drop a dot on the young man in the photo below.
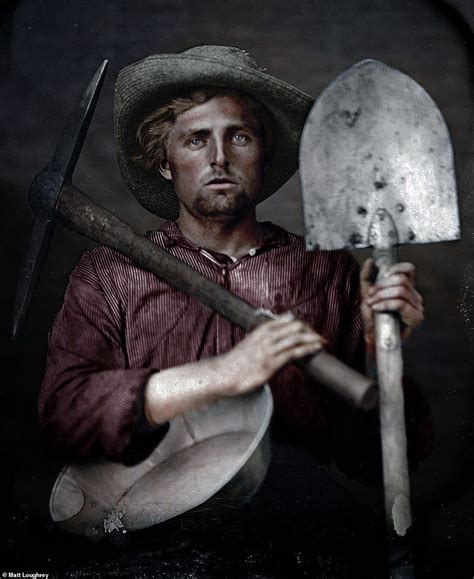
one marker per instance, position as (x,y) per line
(202,138)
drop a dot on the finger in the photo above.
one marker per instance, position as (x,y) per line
(418,297)
(407,332)
(269,327)
(276,330)
(279,322)
(392,305)
(367,315)
(294,329)
(410,315)
(397,292)
(285,317)
(393,280)
(294,354)
(403,267)
(295,340)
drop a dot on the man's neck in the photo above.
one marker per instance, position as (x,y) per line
(230,237)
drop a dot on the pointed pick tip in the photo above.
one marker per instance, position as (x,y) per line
(20,313)
(18,327)
(103,65)
(96,80)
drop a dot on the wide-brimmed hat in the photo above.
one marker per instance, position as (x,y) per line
(144,86)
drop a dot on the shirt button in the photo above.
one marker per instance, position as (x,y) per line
(252,251)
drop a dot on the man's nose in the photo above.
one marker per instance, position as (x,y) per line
(219,154)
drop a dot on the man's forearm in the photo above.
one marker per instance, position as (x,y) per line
(247,366)
(177,390)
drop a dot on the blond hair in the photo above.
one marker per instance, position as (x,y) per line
(153,132)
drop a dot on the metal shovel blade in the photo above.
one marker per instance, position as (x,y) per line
(375,138)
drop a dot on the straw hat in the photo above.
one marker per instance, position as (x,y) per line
(144,86)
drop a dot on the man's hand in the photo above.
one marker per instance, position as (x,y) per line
(395,293)
(265,350)
(244,368)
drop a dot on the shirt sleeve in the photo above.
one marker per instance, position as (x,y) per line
(91,402)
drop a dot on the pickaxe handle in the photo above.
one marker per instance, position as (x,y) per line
(91,220)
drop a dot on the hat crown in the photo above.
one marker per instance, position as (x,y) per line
(230,55)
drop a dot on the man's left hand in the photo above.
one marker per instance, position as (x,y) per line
(395,293)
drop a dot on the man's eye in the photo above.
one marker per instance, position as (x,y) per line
(196,141)
(240,138)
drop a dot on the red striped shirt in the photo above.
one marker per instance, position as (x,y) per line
(119,323)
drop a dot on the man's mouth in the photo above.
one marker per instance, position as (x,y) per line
(220,183)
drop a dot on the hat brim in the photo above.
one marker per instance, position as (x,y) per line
(145,85)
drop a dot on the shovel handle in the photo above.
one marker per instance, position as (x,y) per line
(391,409)
(89,219)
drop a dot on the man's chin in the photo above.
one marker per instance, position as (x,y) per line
(223,205)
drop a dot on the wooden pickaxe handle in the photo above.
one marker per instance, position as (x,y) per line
(93,221)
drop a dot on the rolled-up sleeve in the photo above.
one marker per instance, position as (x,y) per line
(90,402)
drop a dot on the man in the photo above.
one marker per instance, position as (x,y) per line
(202,138)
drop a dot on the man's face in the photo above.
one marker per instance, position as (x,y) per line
(215,159)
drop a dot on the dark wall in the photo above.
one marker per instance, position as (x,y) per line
(52,47)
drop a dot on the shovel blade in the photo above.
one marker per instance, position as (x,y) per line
(375,139)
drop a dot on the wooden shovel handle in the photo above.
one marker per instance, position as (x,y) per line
(392,410)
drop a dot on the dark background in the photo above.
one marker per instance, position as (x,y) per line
(49,50)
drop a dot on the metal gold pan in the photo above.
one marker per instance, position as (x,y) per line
(218,453)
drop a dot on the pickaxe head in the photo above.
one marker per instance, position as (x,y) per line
(45,193)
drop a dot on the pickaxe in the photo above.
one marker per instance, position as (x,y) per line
(377,171)
(53,197)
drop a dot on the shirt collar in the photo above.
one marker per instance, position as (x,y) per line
(173,236)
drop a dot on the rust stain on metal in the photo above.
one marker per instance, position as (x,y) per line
(355,238)
(380,183)
(350,118)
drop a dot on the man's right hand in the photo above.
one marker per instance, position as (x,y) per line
(242,369)
(264,351)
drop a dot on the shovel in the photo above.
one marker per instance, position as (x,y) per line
(377,170)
